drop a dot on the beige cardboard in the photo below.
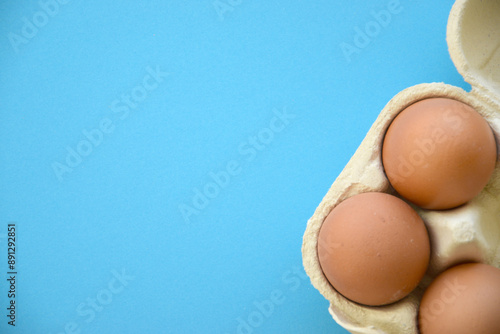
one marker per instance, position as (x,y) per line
(467,233)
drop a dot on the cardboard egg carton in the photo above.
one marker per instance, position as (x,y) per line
(468,233)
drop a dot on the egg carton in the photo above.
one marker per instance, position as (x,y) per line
(468,233)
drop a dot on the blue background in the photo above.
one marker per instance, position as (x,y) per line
(233,264)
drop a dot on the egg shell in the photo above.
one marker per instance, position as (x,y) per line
(439,153)
(374,248)
(462,300)
(468,233)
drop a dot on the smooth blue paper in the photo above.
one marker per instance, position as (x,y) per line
(160,159)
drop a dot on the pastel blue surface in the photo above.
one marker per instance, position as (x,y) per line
(161,159)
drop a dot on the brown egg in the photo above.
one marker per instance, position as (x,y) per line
(464,299)
(373,248)
(439,153)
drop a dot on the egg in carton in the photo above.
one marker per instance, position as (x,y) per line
(468,233)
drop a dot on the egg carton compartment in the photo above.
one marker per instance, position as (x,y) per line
(467,233)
